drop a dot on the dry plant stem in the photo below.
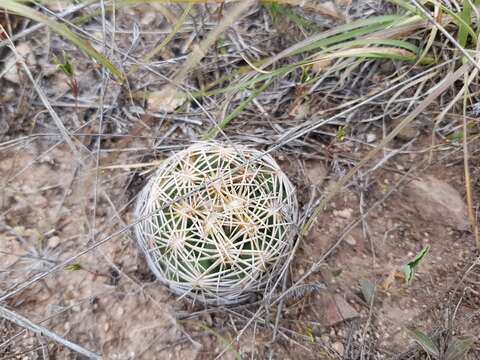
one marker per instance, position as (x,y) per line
(64,310)
(467,81)
(446,33)
(273,148)
(445,84)
(468,180)
(164,43)
(200,51)
(37,27)
(43,97)
(40,330)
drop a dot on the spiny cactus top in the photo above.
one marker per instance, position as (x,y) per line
(216,222)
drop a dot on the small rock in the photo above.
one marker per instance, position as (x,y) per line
(345,213)
(371,137)
(53,242)
(335,309)
(350,240)
(438,202)
(12,64)
(119,313)
(338,347)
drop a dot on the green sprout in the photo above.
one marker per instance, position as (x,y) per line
(67,68)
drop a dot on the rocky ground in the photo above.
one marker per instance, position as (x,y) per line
(57,200)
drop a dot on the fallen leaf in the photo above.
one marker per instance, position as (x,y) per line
(390,279)
(166,100)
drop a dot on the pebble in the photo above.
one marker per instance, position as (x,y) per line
(345,213)
(350,240)
(438,202)
(338,347)
(371,137)
(12,65)
(53,242)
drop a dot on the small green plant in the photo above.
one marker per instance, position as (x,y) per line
(74,267)
(341,133)
(409,268)
(217,222)
(456,349)
(67,68)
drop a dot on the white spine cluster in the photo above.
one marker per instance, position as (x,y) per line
(217,222)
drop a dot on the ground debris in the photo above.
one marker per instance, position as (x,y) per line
(438,202)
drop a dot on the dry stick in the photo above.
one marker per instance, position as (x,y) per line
(21,332)
(40,330)
(37,27)
(446,33)
(294,136)
(200,51)
(42,96)
(447,81)
(468,181)
(444,85)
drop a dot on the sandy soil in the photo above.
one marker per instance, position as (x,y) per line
(55,202)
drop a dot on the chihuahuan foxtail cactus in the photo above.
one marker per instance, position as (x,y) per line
(216,222)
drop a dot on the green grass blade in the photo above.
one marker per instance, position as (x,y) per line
(425,342)
(347,32)
(388,42)
(466,16)
(62,30)
(215,130)
(246,84)
(459,21)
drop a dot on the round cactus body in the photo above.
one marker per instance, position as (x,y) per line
(216,222)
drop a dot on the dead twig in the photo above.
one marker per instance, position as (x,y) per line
(40,330)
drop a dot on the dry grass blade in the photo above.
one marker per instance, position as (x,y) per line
(200,51)
(445,84)
(43,97)
(466,165)
(65,32)
(164,43)
(40,330)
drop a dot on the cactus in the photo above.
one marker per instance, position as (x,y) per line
(217,222)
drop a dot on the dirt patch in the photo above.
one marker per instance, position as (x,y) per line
(57,200)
